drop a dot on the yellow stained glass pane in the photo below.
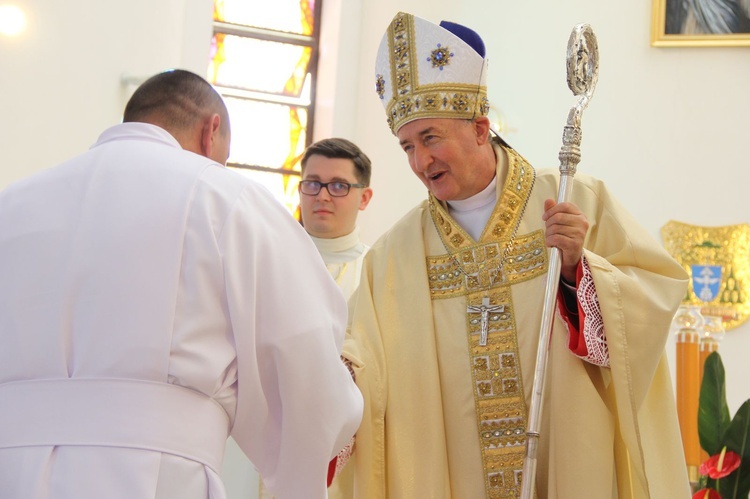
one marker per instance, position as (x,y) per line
(259,65)
(283,187)
(291,16)
(266,134)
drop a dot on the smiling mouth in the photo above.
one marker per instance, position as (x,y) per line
(436,176)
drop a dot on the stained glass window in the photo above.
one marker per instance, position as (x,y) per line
(263,61)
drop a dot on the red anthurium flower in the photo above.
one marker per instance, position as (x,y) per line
(706,494)
(720,465)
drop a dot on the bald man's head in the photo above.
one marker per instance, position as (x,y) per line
(188,107)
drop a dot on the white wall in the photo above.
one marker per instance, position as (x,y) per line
(60,81)
(666,127)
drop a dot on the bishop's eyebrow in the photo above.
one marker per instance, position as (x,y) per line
(420,134)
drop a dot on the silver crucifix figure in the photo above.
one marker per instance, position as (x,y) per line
(484,309)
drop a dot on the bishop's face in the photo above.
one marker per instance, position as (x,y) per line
(445,154)
(327,216)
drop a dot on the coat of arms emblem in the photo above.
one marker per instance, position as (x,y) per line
(718,262)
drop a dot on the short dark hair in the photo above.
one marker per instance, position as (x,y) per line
(341,148)
(176,99)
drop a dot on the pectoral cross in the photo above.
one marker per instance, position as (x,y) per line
(484,309)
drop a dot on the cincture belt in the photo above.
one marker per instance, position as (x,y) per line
(114,413)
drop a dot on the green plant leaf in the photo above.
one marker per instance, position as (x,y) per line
(713,413)
(736,439)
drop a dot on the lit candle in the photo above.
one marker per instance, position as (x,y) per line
(688,392)
(688,326)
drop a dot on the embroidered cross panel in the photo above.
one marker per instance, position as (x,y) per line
(483,272)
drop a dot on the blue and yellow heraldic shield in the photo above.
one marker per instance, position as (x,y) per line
(717,259)
(706,281)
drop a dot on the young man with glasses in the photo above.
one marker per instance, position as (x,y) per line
(335,186)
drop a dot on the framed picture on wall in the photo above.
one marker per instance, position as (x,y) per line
(693,23)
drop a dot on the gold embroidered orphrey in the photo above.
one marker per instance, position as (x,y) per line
(700,249)
(495,366)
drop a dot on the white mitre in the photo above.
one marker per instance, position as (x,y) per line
(424,70)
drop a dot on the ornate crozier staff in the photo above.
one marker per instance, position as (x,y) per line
(583,70)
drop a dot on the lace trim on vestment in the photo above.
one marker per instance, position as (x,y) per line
(593,324)
(340,461)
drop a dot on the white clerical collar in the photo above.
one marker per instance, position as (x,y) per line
(487,196)
(339,249)
(473,213)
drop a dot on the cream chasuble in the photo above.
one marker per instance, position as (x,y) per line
(445,415)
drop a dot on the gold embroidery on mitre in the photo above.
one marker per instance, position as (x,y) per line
(379,85)
(718,261)
(412,99)
(495,367)
(440,57)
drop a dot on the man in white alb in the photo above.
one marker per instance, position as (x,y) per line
(145,317)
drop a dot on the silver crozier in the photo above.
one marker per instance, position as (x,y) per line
(583,70)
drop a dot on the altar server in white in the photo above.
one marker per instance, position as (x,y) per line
(335,187)
(150,306)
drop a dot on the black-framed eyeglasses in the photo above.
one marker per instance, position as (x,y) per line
(335,189)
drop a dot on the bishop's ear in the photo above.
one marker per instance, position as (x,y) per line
(482,129)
